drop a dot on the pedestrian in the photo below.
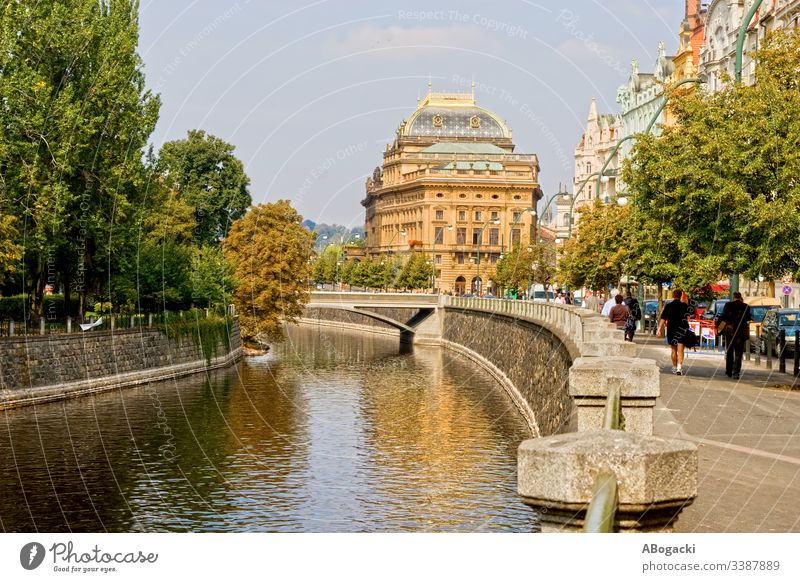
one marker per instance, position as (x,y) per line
(675,316)
(735,324)
(609,303)
(568,298)
(560,298)
(619,314)
(591,303)
(636,315)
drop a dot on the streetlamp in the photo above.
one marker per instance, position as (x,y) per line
(399,231)
(734,286)
(495,221)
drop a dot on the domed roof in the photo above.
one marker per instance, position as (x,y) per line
(453,115)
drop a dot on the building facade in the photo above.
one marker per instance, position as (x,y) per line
(597,142)
(452,187)
(723,22)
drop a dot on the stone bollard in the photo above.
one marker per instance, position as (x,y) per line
(149,320)
(590,380)
(656,478)
(69,325)
(41,326)
(11,328)
(113,322)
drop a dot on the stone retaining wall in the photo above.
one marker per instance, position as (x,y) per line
(534,361)
(41,368)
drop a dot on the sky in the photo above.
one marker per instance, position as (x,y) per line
(310,92)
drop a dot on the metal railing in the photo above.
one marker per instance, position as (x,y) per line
(602,509)
(42,326)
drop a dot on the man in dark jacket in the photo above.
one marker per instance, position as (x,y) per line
(735,324)
(636,315)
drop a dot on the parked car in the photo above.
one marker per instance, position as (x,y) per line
(714,311)
(759,306)
(775,321)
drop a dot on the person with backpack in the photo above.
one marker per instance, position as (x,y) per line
(636,315)
(735,324)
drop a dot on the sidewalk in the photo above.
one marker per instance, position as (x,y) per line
(748,438)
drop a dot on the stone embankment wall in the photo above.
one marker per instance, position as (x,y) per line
(535,362)
(36,369)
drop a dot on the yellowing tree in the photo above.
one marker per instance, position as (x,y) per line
(269,251)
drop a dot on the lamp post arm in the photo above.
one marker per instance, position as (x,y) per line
(742,36)
(613,153)
(575,199)
(647,129)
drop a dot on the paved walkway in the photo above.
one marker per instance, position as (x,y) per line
(748,437)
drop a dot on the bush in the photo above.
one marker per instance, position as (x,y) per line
(13,307)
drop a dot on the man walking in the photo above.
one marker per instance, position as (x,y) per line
(636,315)
(735,324)
(675,316)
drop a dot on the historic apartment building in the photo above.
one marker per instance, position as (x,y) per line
(452,187)
(723,21)
(597,141)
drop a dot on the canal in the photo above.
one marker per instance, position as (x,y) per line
(332,431)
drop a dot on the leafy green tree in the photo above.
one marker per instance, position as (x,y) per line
(526,264)
(204,171)
(416,272)
(718,193)
(74,120)
(10,251)
(326,265)
(211,279)
(598,255)
(269,251)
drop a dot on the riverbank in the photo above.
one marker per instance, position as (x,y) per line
(37,369)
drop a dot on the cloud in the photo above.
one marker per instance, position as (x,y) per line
(410,42)
(585,50)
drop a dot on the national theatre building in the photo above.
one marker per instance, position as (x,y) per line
(452,187)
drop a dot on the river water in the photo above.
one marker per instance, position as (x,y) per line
(331,431)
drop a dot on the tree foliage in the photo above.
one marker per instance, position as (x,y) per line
(719,193)
(416,272)
(210,179)
(74,120)
(270,253)
(527,264)
(600,254)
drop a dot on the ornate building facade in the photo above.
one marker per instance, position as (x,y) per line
(452,187)
(723,22)
(641,96)
(597,141)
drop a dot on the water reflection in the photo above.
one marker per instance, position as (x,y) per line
(331,431)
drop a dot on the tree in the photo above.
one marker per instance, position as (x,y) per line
(416,272)
(326,265)
(269,251)
(10,251)
(718,193)
(74,120)
(208,177)
(526,264)
(598,256)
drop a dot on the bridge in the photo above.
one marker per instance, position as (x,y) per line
(563,367)
(386,307)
